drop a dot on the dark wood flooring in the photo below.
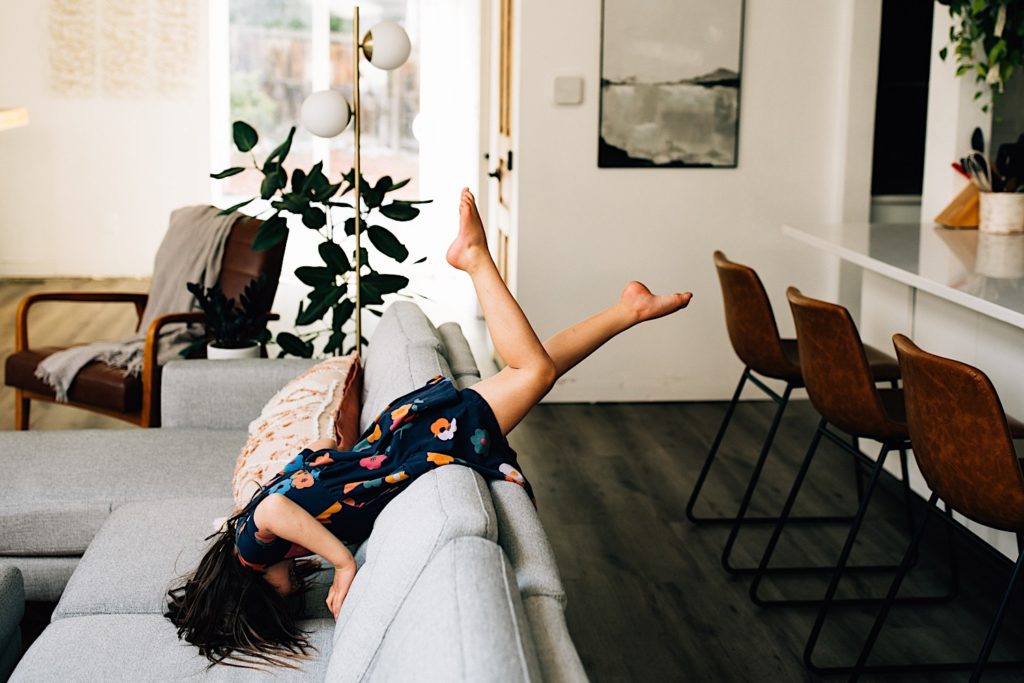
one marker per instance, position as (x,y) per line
(647,598)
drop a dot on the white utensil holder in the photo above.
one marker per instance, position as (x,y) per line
(1001,212)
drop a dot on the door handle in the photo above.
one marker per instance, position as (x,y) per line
(496,173)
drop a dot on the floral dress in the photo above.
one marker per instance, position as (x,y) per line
(432,426)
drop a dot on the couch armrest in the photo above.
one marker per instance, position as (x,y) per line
(222,394)
(460,356)
(12,609)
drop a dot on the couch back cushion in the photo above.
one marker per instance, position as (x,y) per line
(462,620)
(403,354)
(446,503)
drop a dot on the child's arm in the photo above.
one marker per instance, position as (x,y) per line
(288,520)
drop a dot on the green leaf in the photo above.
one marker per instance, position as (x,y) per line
(281,151)
(318,306)
(350,226)
(333,255)
(387,243)
(961,70)
(291,344)
(315,276)
(370,294)
(977,6)
(236,207)
(385,283)
(399,185)
(274,180)
(314,218)
(400,211)
(420,260)
(298,180)
(227,172)
(334,342)
(245,136)
(943,53)
(272,232)
(315,179)
(342,313)
(997,51)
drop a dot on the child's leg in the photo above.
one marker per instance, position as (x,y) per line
(532,367)
(637,304)
(529,372)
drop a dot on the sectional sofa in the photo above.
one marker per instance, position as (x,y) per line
(456,583)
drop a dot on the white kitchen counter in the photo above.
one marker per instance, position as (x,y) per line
(982,272)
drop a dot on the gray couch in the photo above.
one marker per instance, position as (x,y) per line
(456,582)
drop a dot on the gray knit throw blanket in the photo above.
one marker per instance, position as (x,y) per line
(190,252)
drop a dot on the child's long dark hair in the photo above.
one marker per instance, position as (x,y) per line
(230,612)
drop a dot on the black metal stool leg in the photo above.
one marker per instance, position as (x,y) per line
(890,600)
(787,508)
(766,447)
(844,557)
(857,469)
(908,494)
(714,451)
(997,621)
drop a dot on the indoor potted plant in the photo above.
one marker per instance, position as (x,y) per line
(232,331)
(308,198)
(987,39)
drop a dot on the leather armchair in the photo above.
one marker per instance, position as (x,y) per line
(102,389)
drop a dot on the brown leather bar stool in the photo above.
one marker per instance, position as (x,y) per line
(963,446)
(756,340)
(841,387)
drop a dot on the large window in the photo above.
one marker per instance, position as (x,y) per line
(282,50)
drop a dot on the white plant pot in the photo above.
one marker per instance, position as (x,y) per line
(1001,212)
(217,353)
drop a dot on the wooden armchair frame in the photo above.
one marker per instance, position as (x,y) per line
(149,413)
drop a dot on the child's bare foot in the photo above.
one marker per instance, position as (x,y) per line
(644,305)
(470,245)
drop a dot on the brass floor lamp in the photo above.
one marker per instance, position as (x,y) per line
(327,113)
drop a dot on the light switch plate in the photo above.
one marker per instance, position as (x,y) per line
(568,90)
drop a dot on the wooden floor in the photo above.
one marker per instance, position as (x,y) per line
(647,599)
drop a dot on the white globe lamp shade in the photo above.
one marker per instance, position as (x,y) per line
(387,45)
(326,113)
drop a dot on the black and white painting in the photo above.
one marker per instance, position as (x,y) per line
(670,83)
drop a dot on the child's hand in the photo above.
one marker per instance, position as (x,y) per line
(343,577)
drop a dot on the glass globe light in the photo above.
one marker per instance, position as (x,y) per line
(326,113)
(387,45)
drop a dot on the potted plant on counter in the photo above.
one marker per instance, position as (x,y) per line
(232,331)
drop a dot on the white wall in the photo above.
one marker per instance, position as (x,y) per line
(584,231)
(87,187)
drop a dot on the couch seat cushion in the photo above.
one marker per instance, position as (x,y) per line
(137,554)
(462,620)
(60,486)
(446,503)
(96,384)
(144,647)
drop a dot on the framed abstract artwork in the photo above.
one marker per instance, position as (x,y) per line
(670,83)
